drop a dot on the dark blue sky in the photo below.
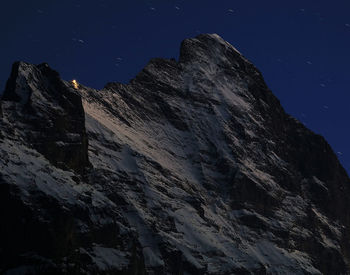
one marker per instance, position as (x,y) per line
(301,46)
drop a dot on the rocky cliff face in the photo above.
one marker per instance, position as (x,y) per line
(191,168)
(49,113)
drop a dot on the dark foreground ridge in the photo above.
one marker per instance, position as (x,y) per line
(191,168)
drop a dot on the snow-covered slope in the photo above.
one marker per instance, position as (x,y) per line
(191,168)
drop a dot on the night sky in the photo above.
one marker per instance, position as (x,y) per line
(301,46)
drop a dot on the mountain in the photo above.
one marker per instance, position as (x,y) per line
(191,168)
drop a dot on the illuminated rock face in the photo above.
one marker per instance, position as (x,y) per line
(191,168)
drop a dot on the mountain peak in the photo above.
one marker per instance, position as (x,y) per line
(206,46)
(23,79)
(18,73)
(191,168)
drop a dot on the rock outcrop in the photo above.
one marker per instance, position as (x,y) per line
(49,112)
(191,168)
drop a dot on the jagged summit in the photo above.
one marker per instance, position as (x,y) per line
(208,47)
(191,168)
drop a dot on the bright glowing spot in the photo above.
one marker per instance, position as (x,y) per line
(75,84)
